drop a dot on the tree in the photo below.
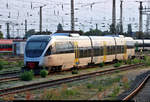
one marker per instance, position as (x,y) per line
(59,27)
(29,33)
(1,35)
(81,32)
(92,32)
(43,33)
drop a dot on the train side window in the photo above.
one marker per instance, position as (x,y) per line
(85,52)
(110,48)
(114,49)
(101,51)
(70,47)
(81,52)
(89,52)
(117,49)
(120,49)
(123,49)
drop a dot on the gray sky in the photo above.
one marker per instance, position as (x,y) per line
(58,11)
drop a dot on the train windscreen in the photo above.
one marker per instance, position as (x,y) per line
(35,49)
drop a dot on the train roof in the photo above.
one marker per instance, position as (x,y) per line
(6,41)
(39,38)
(66,35)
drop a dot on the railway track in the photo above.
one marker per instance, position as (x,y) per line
(39,85)
(14,76)
(8,73)
(141,93)
(12,59)
(9,76)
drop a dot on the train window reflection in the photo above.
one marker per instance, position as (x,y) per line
(36,45)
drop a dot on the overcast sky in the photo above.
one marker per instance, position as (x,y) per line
(58,11)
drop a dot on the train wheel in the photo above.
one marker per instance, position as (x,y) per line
(115,61)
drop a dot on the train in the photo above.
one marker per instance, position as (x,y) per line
(63,51)
(142,44)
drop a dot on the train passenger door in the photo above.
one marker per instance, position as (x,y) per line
(125,51)
(104,52)
(76,51)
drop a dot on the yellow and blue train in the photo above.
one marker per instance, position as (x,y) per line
(62,51)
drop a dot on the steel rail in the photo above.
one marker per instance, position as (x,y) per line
(134,92)
(10,72)
(39,85)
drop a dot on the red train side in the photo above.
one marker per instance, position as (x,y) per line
(6,45)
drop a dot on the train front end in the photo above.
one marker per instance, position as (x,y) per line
(34,53)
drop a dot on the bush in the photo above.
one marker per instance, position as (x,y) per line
(43,73)
(101,64)
(135,61)
(117,64)
(147,61)
(27,75)
(75,72)
(128,61)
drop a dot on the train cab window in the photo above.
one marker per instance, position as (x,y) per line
(48,52)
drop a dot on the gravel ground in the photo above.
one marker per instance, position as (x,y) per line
(131,75)
(50,77)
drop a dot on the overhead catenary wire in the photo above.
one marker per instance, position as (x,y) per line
(48,13)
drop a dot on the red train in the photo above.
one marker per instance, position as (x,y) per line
(6,45)
(13,46)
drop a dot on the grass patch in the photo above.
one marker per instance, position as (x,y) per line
(57,94)
(74,71)
(20,63)
(115,91)
(89,86)
(147,61)
(118,64)
(1,66)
